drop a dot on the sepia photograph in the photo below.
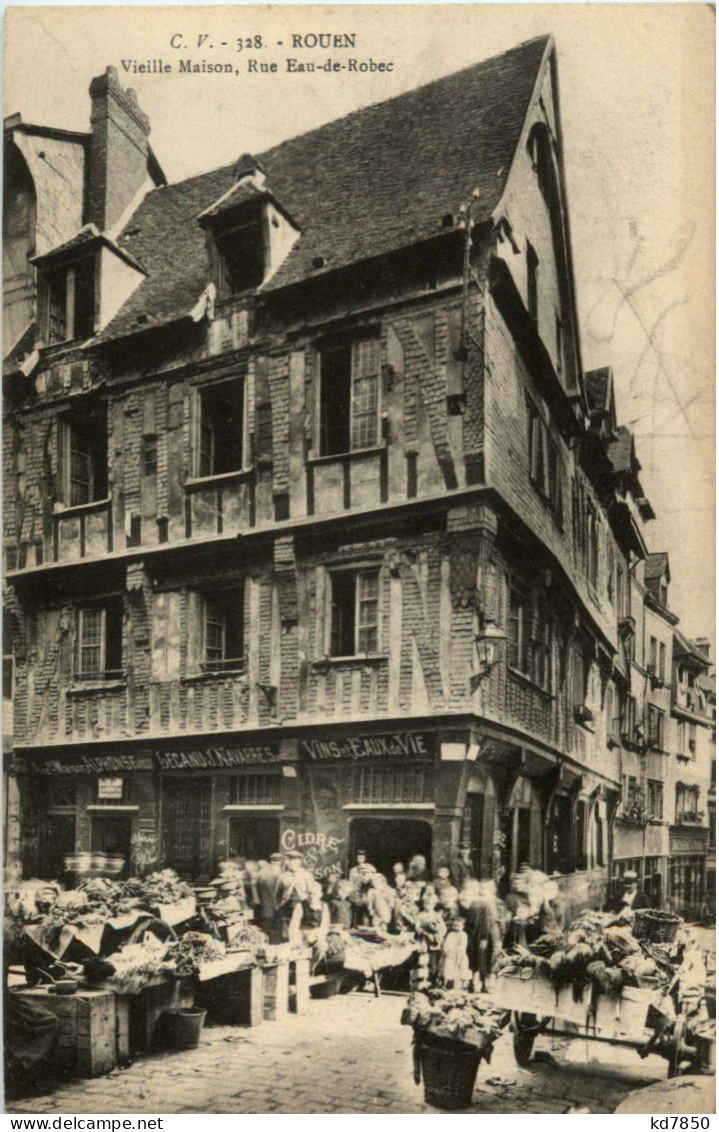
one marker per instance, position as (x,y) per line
(359,703)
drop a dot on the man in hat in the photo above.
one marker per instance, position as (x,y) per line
(268,891)
(631,899)
(462,867)
(358,872)
(294,889)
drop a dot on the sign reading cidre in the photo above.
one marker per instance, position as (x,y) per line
(400,743)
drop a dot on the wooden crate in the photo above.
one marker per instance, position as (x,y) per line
(234,998)
(299,985)
(94,1032)
(276,991)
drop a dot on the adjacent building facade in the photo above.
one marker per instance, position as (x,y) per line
(317,534)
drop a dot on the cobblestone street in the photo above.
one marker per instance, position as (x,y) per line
(346,1055)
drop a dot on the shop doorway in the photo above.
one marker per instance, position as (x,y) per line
(187,815)
(254,836)
(388,840)
(112,834)
(58,842)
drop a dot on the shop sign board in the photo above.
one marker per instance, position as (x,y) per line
(87,764)
(109,789)
(211,758)
(396,744)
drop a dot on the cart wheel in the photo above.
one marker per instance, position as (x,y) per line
(159,928)
(677,1048)
(525,1028)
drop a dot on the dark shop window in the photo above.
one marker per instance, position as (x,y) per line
(255,789)
(375,784)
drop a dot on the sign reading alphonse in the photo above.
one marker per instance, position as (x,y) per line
(396,744)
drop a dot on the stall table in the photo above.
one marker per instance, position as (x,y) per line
(231,990)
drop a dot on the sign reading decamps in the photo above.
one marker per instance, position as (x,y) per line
(109,789)
(397,744)
(210,758)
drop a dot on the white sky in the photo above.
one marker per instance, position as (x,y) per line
(637,102)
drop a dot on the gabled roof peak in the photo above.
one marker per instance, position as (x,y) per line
(249,166)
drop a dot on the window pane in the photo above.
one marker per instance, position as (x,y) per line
(368,592)
(91,642)
(365,392)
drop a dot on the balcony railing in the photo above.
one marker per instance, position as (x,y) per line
(690,817)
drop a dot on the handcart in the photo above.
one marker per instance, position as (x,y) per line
(629,1019)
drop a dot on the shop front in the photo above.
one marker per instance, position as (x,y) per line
(687,871)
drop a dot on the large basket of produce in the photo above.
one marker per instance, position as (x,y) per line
(655,927)
(448,1068)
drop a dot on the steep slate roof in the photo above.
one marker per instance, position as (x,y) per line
(377,180)
(656,565)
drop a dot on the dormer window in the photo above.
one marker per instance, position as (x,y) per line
(70,301)
(241,250)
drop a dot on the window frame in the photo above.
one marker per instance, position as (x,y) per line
(655,734)
(532,283)
(198,451)
(356,572)
(74,323)
(211,607)
(77,426)
(101,672)
(223,235)
(655,792)
(353,344)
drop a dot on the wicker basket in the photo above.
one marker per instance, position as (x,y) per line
(449,1069)
(655,927)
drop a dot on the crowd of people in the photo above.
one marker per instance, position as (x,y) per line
(458,921)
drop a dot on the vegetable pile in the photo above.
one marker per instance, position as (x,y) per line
(455,1014)
(137,964)
(598,952)
(194,949)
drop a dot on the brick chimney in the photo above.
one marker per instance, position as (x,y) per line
(118,150)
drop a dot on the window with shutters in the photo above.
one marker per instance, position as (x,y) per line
(84,446)
(530,636)
(354,612)
(350,374)
(220,443)
(98,650)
